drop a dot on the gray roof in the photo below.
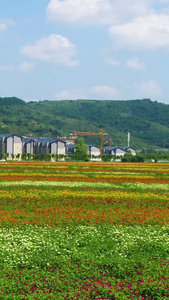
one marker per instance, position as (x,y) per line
(115,148)
(126,148)
(26,141)
(90,146)
(49,140)
(45,140)
(111,148)
(58,140)
(71,146)
(6,135)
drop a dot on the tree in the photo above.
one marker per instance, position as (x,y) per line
(18,156)
(81,149)
(128,157)
(23,156)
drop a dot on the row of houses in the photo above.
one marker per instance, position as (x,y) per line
(14,146)
(118,151)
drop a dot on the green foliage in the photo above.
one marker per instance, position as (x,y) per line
(81,150)
(107,157)
(23,156)
(11,101)
(128,157)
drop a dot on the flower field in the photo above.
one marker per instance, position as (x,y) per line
(83,230)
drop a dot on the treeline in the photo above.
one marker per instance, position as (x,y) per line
(37,157)
(161,157)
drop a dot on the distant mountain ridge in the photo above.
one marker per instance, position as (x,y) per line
(146,120)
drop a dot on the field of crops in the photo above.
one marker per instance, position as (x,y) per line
(72,230)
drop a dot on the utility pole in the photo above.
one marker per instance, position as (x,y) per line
(128,140)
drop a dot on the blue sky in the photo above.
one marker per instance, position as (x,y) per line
(84,49)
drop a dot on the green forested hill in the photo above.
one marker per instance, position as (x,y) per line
(146,120)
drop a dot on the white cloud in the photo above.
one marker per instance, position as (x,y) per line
(88,11)
(6,68)
(151,88)
(5,23)
(96,11)
(70,95)
(26,66)
(148,32)
(148,89)
(96,92)
(134,63)
(104,92)
(112,62)
(53,49)
(3,27)
(164,1)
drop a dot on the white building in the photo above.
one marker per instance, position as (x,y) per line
(49,145)
(11,144)
(28,146)
(118,151)
(94,153)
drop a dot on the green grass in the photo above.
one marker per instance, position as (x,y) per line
(91,261)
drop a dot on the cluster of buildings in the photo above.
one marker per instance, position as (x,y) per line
(14,146)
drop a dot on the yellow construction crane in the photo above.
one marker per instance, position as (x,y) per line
(128,140)
(75,134)
(110,140)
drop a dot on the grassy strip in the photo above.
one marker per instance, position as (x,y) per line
(137,186)
(105,244)
(86,262)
